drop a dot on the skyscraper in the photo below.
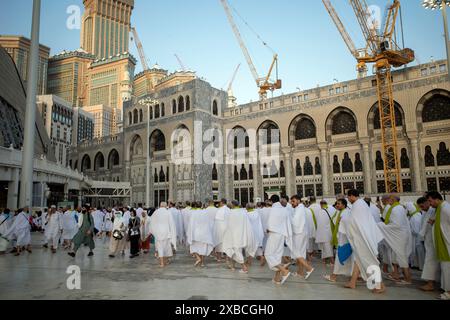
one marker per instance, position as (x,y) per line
(106,27)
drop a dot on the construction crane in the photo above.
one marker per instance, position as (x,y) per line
(382,50)
(264,84)
(183,67)
(143,58)
(230,85)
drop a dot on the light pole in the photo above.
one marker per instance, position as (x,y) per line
(148,102)
(26,179)
(441,4)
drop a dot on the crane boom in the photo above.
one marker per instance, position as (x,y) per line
(140,49)
(183,67)
(362,14)
(240,40)
(340,26)
(233,77)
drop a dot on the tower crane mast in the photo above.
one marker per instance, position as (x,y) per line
(381,50)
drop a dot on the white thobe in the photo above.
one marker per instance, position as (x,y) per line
(347,268)
(300,237)
(220,227)
(53,229)
(311,230)
(364,236)
(397,235)
(258,231)
(69,224)
(417,257)
(163,228)
(375,211)
(5,222)
(98,220)
(20,230)
(323,232)
(239,238)
(431,267)
(280,233)
(445,230)
(200,233)
(108,224)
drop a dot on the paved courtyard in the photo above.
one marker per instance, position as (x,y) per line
(41,275)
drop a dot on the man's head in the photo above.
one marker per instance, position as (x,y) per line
(353,195)
(283,202)
(171,204)
(163,205)
(275,198)
(235,204)
(423,204)
(250,206)
(341,204)
(139,205)
(393,198)
(295,201)
(435,198)
(385,199)
(323,204)
(223,202)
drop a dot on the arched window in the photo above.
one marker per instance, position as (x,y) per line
(236,173)
(269,133)
(398,117)
(298,169)
(273,170)
(85,163)
(157,113)
(141,116)
(404,159)
(379,163)
(308,168)
(336,165)
(167,175)
(99,161)
(163,110)
(157,141)
(240,138)
(188,103)
(155,176)
(174,107)
(305,130)
(113,159)
(443,155)
(243,174)
(282,170)
(135,116)
(347,164)
(318,167)
(180,104)
(162,176)
(130,118)
(429,157)
(215,175)
(343,123)
(215,108)
(250,172)
(437,108)
(151,113)
(358,163)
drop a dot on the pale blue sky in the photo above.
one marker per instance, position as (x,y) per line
(310,48)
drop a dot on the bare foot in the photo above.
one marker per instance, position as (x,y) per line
(427,288)
(381,290)
(350,285)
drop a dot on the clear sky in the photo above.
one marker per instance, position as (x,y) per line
(310,49)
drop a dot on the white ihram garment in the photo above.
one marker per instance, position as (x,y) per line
(220,227)
(200,233)
(347,268)
(300,236)
(258,231)
(20,230)
(431,268)
(163,228)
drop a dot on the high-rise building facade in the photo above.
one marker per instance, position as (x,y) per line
(18,48)
(106,27)
(83,128)
(57,115)
(68,76)
(103,120)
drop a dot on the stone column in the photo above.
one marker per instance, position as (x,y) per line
(172,185)
(325,169)
(367,170)
(13,190)
(415,168)
(66,192)
(290,176)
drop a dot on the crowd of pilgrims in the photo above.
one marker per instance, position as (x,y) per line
(350,236)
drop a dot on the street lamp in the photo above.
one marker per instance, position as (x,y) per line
(148,102)
(441,4)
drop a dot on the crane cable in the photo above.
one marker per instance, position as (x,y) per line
(252,30)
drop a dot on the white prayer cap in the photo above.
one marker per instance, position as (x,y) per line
(53,207)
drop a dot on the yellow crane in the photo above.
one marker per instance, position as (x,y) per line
(143,59)
(382,50)
(264,84)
